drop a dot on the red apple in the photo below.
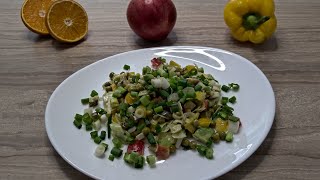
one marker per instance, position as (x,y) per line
(152,20)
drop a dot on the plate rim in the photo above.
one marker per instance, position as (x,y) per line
(225,170)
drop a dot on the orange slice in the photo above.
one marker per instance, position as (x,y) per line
(33,13)
(67,21)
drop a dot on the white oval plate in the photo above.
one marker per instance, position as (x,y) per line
(255,106)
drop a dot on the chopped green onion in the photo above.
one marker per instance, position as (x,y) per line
(227,109)
(151,88)
(223,115)
(209,153)
(85,101)
(189,92)
(151,160)
(77,124)
(198,87)
(202,150)
(95,116)
(140,112)
(146,70)
(224,100)
(123,106)
(233,99)
(134,94)
(158,128)
(111,157)
(154,73)
(97,140)
(114,102)
(170,103)
(94,93)
(116,94)
(131,157)
(158,109)
(234,86)
(201,69)
(106,84)
(89,127)
(105,146)
(117,142)
(130,123)
(202,77)
(180,94)
(87,119)
(151,139)
(229,137)
(121,89)
(209,143)
(116,152)
(175,108)
(103,135)
(205,82)
(100,111)
(148,77)
(141,126)
(225,88)
(126,67)
(182,100)
(93,101)
(234,118)
(78,117)
(182,82)
(206,89)
(134,159)
(94,134)
(164,93)
(111,75)
(180,88)
(108,126)
(162,103)
(145,100)
(139,162)
(173,86)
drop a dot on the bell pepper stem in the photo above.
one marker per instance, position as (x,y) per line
(263,19)
(253,21)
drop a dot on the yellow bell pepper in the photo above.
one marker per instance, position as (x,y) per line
(204,122)
(251,20)
(129,99)
(174,64)
(201,96)
(190,127)
(115,118)
(114,87)
(221,125)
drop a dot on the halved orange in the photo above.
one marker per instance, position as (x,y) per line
(33,13)
(67,21)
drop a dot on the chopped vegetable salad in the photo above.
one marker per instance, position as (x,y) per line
(164,108)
